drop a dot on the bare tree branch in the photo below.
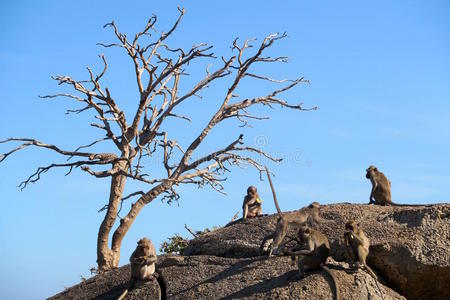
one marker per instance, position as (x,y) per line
(37,175)
(158,69)
(190,231)
(32,142)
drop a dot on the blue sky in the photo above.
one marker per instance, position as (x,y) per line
(379,72)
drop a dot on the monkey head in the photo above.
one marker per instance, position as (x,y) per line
(144,242)
(370,170)
(252,191)
(304,232)
(314,210)
(315,204)
(351,225)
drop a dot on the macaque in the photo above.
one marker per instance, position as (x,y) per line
(296,218)
(357,246)
(381,187)
(251,207)
(316,254)
(142,262)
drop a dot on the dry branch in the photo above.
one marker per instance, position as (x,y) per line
(159,68)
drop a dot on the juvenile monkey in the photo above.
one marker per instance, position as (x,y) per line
(297,218)
(251,207)
(142,262)
(316,254)
(381,187)
(357,246)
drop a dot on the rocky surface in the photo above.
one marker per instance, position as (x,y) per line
(410,251)
(109,286)
(212,277)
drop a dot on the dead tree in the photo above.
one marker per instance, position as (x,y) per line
(159,69)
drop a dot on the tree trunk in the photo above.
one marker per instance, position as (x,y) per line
(126,222)
(106,258)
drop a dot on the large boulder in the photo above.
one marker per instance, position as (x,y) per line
(409,251)
(410,245)
(212,277)
(109,286)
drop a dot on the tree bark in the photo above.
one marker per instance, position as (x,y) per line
(106,258)
(136,207)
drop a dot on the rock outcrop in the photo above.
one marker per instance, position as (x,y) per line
(410,251)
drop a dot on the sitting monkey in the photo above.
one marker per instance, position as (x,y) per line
(251,207)
(316,254)
(357,245)
(142,262)
(381,187)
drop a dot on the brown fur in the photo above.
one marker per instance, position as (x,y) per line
(142,262)
(296,218)
(357,246)
(318,250)
(381,187)
(251,208)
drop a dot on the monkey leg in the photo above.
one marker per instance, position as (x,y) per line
(250,215)
(301,269)
(388,202)
(266,244)
(253,211)
(308,263)
(362,255)
(280,233)
(348,246)
(259,212)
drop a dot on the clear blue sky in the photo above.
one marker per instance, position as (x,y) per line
(380,74)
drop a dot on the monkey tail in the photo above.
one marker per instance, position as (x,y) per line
(130,286)
(376,279)
(123,295)
(406,205)
(273,192)
(333,278)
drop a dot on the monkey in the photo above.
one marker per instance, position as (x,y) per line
(298,218)
(356,242)
(142,262)
(251,207)
(381,187)
(316,254)
(357,246)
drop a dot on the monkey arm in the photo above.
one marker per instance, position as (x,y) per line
(374,186)
(137,260)
(306,252)
(348,247)
(150,259)
(352,235)
(303,252)
(245,211)
(245,205)
(144,259)
(347,238)
(251,201)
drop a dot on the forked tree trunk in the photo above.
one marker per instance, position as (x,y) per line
(106,258)
(129,219)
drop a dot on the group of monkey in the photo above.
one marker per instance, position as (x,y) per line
(317,244)
(143,259)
